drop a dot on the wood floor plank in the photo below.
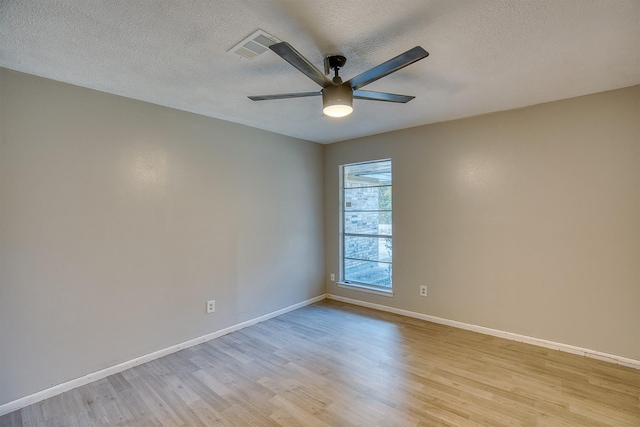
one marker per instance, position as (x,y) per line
(333,364)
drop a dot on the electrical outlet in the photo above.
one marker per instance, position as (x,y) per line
(211,306)
(333,277)
(423,290)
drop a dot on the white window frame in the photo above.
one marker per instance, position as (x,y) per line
(350,284)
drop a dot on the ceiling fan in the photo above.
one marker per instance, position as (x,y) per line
(337,97)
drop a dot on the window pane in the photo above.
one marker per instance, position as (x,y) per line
(367,223)
(367,174)
(373,273)
(368,248)
(367,198)
(366,227)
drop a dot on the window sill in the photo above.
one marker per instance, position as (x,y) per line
(365,288)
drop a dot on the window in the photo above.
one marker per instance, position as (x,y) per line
(366,225)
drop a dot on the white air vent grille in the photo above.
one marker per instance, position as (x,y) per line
(254,45)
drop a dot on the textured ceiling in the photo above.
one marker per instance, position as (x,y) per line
(485,56)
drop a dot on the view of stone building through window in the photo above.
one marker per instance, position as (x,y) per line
(367,235)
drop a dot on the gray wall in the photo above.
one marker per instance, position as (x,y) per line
(526,221)
(119,219)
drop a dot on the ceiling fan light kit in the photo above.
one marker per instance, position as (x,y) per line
(337,97)
(337,101)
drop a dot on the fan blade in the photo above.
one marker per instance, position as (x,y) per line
(381,96)
(283,96)
(392,65)
(293,57)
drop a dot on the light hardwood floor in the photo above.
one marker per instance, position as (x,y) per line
(340,365)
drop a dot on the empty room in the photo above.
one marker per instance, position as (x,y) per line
(320,213)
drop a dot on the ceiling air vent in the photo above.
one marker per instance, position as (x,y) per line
(254,45)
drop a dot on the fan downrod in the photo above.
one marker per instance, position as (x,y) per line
(334,62)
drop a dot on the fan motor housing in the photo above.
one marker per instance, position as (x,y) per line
(337,97)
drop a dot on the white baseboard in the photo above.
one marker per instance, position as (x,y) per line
(618,360)
(75,383)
